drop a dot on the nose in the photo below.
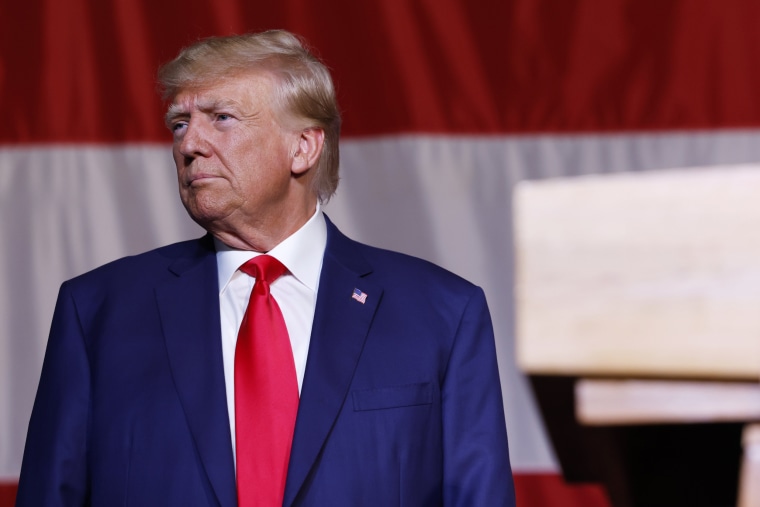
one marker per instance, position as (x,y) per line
(193,142)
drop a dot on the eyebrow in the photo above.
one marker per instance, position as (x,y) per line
(173,112)
(180,111)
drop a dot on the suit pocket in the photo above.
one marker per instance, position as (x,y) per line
(393,397)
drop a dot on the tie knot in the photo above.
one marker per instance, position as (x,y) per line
(264,267)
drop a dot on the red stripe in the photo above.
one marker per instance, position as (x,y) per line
(81,71)
(8,494)
(550,490)
(532,490)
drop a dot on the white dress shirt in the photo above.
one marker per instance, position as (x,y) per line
(295,293)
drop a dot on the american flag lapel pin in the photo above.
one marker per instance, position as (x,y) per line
(359,296)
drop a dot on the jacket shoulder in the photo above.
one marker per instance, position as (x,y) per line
(399,265)
(394,269)
(149,265)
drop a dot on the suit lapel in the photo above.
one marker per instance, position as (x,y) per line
(189,309)
(341,324)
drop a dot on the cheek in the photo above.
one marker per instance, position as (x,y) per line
(273,172)
(179,160)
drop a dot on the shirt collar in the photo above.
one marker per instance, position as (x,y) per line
(301,253)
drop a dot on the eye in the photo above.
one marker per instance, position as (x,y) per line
(223,117)
(176,127)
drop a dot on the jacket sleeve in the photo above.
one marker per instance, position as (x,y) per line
(476,466)
(54,470)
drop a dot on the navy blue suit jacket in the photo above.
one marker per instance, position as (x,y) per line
(400,406)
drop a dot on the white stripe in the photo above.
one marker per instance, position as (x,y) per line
(445,198)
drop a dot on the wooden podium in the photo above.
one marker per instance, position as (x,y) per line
(638,322)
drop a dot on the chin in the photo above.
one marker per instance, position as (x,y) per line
(205,218)
(203,213)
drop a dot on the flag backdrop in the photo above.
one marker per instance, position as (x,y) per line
(447,104)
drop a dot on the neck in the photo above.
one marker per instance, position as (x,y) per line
(262,236)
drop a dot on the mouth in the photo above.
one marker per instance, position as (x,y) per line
(199,179)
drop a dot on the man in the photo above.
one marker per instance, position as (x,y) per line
(151,393)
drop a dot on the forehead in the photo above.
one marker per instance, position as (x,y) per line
(244,89)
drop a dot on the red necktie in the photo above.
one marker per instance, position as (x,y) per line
(266,392)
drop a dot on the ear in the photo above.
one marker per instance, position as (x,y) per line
(309,148)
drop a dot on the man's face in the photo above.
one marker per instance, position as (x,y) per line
(233,153)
